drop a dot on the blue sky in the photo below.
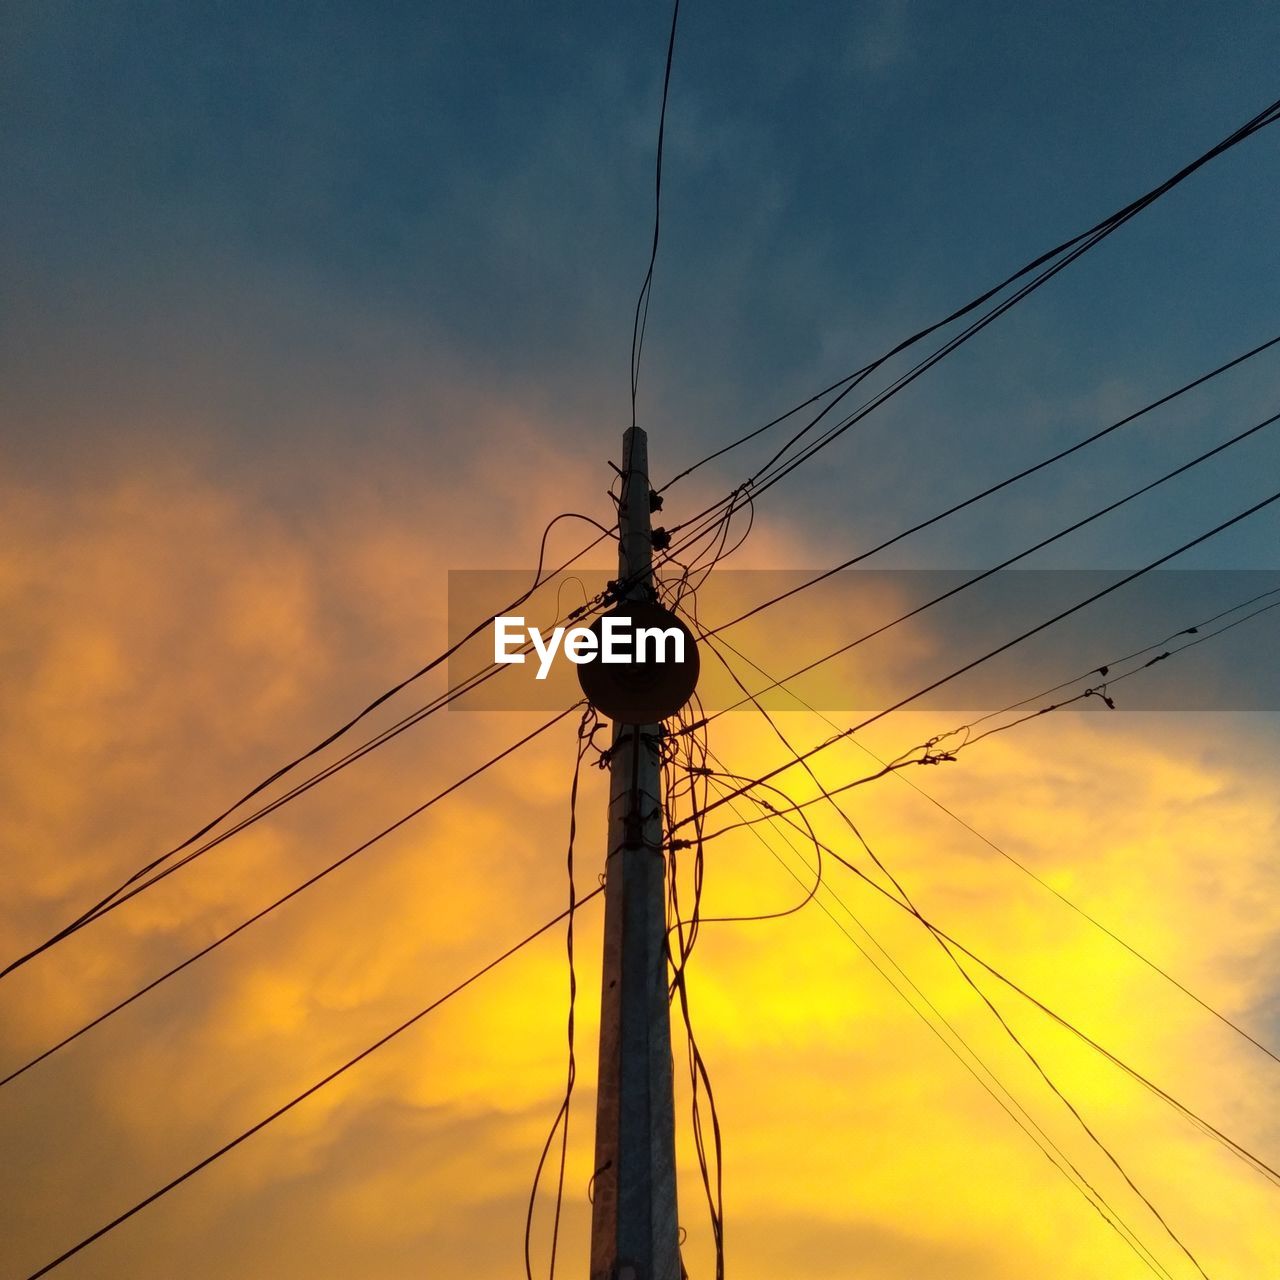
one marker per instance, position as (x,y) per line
(270,225)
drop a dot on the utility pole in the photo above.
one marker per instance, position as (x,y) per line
(634,1230)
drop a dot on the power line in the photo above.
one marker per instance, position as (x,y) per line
(279,902)
(710,525)
(1004,564)
(754,485)
(305,1094)
(1130,1238)
(1105,668)
(986,573)
(904,903)
(157,862)
(1083,240)
(1100,690)
(932,757)
(1026,635)
(903,900)
(1042,1140)
(1013,479)
(1016,862)
(139,884)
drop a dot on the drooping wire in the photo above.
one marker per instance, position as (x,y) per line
(586,729)
(228,1147)
(696,920)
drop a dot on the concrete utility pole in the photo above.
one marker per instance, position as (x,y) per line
(634,1231)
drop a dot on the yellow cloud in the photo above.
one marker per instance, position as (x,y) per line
(170,638)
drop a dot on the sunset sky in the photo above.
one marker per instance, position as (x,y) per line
(305,307)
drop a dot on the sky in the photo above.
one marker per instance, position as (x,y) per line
(306,307)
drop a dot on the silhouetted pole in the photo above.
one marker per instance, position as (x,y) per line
(634,1232)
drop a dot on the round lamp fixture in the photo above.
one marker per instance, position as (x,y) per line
(645,667)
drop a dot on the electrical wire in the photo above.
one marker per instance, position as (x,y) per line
(1074,527)
(1125,1233)
(1016,476)
(586,728)
(901,898)
(710,525)
(903,902)
(1081,241)
(642,301)
(125,887)
(1101,690)
(467,685)
(280,901)
(1012,1107)
(1195,629)
(1105,668)
(1026,635)
(108,1227)
(931,756)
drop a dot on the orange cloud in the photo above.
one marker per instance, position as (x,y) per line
(170,638)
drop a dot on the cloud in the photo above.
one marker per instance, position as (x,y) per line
(174,635)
